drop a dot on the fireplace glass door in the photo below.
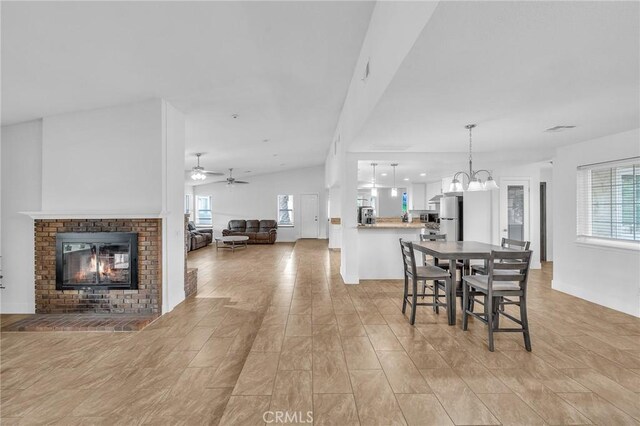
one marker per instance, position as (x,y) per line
(96,260)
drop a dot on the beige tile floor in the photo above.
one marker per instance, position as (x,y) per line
(274,329)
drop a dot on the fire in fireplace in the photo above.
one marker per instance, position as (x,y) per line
(96,260)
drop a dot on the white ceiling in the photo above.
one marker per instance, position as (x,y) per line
(407,172)
(284,67)
(516,69)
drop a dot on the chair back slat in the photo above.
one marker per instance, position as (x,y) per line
(515,244)
(508,277)
(433,237)
(408,258)
(510,266)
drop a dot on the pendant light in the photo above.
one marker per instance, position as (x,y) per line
(374,190)
(394,190)
(475,184)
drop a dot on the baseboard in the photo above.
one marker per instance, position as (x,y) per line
(594,298)
(350,279)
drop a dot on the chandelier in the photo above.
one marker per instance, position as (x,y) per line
(475,184)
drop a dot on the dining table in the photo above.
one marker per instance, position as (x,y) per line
(454,251)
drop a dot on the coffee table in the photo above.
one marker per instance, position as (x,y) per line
(232,242)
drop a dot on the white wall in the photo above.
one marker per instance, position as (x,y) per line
(389,206)
(546,175)
(478,216)
(607,276)
(103,160)
(258,200)
(334,231)
(127,159)
(21,147)
(173,206)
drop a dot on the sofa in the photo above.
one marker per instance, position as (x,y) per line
(198,238)
(258,231)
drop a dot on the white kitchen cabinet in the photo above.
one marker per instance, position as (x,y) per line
(418,195)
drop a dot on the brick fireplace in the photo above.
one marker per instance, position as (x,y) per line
(145,300)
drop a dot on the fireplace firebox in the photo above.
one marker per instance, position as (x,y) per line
(97,260)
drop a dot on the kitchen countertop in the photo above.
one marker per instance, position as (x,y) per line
(396,225)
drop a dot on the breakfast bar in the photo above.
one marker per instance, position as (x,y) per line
(378,248)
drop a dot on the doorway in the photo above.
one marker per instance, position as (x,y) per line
(514,209)
(309,216)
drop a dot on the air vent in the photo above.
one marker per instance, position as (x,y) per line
(559,128)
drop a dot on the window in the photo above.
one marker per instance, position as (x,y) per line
(609,200)
(203,210)
(285,210)
(187,203)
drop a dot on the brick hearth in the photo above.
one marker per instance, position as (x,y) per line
(146,300)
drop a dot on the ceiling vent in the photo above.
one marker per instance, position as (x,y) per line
(556,129)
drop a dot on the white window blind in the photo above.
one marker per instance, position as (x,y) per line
(608,199)
(285,210)
(203,210)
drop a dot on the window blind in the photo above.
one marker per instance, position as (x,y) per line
(608,200)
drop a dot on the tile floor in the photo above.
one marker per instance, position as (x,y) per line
(274,329)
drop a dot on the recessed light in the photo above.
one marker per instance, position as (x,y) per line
(234,116)
(423,174)
(383,174)
(265,140)
(275,155)
(405,179)
(248,171)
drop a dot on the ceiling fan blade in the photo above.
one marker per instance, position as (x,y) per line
(221,181)
(213,173)
(239,181)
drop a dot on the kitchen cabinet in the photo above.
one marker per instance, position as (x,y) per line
(418,199)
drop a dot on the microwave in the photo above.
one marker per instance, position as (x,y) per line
(429,217)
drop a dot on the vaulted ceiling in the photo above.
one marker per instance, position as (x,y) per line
(516,69)
(283,67)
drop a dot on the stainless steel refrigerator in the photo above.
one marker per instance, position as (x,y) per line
(451,217)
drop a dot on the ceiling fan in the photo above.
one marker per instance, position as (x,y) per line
(231,180)
(199,173)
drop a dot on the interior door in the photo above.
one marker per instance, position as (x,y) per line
(309,216)
(514,209)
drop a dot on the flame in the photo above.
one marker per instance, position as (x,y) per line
(104,270)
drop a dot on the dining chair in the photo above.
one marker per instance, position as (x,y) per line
(438,237)
(507,276)
(506,243)
(425,273)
